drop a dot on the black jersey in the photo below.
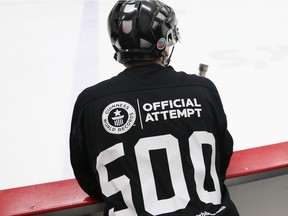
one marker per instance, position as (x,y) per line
(153,141)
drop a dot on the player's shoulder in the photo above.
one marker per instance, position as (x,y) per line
(93,92)
(195,80)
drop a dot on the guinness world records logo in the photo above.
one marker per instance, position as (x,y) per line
(118,117)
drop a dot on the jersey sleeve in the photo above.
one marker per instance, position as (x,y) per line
(226,142)
(226,148)
(79,154)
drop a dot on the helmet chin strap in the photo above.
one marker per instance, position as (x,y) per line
(166,62)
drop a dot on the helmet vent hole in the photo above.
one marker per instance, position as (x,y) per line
(161,16)
(164,9)
(129,8)
(155,24)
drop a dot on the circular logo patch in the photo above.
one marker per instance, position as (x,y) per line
(118,117)
(161,44)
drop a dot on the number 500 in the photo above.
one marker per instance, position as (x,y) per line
(171,145)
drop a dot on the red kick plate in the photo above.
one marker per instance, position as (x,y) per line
(67,194)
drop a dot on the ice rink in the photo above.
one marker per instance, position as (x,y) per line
(51,50)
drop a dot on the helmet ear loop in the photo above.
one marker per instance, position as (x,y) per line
(171,41)
(166,61)
(164,57)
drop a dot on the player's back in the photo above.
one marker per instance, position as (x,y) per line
(159,143)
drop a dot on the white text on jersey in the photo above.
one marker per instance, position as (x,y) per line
(172,109)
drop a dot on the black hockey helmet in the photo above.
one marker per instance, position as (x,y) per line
(140,30)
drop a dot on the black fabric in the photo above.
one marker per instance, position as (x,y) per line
(143,125)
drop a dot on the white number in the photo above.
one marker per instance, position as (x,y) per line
(171,146)
(195,143)
(151,202)
(118,184)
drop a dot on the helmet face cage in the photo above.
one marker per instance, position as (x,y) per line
(141,30)
(173,36)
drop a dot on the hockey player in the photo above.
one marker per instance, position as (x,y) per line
(151,141)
